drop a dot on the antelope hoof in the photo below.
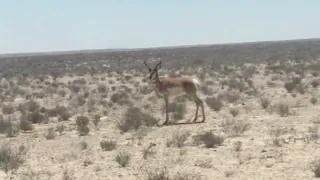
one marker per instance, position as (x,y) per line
(165,123)
(195,120)
(203,120)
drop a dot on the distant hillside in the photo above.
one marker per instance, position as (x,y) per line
(208,56)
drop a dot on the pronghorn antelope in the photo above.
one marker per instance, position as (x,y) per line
(175,86)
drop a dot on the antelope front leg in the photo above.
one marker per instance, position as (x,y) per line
(166,101)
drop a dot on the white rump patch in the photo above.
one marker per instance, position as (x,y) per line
(196,82)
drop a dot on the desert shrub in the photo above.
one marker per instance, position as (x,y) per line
(10,157)
(32,106)
(315,74)
(120,98)
(102,88)
(81,81)
(37,117)
(145,90)
(313,100)
(4,124)
(83,145)
(25,124)
(235,128)
(283,109)
(62,93)
(134,118)
(108,145)
(59,111)
(6,109)
(60,128)
(314,132)
(264,102)
(209,139)
(80,101)
(123,158)
(289,86)
(300,88)
(147,151)
(96,120)
(234,111)
(82,125)
(315,83)
(232,97)
(214,103)
(237,146)
(158,174)
(50,134)
(178,139)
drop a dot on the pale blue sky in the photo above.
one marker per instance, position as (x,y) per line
(57,25)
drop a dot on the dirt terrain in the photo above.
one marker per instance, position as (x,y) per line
(92,115)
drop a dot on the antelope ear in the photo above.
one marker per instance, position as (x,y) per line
(160,65)
(149,70)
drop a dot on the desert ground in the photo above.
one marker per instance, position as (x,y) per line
(93,115)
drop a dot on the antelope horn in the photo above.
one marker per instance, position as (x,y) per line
(158,65)
(145,63)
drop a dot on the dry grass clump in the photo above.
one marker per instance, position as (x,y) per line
(158,174)
(209,139)
(134,118)
(163,174)
(147,152)
(82,125)
(264,102)
(108,145)
(237,146)
(50,134)
(314,132)
(123,158)
(214,103)
(11,158)
(178,139)
(283,109)
(234,111)
(235,127)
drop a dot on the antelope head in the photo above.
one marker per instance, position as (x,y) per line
(153,73)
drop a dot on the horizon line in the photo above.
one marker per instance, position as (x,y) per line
(35,53)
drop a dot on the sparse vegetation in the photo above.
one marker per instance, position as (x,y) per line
(209,139)
(134,118)
(235,127)
(94,104)
(123,158)
(108,145)
(11,157)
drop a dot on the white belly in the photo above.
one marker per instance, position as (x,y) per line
(176,91)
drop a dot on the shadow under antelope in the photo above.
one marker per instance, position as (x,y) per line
(166,87)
